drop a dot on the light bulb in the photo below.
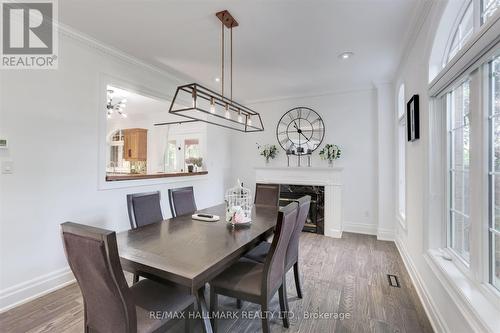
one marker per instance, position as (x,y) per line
(240,118)
(227,115)
(124,100)
(212,105)
(193,94)
(124,115)
(109,115)
(249,121)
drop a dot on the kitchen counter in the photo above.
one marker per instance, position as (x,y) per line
(135,176)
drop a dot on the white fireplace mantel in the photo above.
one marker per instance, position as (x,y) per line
(330,178)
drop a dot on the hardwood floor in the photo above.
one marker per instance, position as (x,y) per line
(345,276)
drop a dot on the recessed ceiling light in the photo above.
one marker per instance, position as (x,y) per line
(346,55)
(217,79)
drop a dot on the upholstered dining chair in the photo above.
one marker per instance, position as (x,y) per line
(267,194)
(182,201)
(143,209)
(258,282)
(261,251)
(109,304)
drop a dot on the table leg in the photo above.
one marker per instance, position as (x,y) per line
(204,311)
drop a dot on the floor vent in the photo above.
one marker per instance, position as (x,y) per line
(393,281)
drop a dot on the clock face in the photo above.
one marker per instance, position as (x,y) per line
(300,131)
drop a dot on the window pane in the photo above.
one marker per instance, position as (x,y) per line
(463,32)
(401,169)
(460,236)
(496,143)
(401,101)
(461,198)
(459,153)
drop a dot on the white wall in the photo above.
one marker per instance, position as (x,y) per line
(414,73)
(51,121)
(350,121)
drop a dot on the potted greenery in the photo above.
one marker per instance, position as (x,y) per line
(330,153)
(268,151)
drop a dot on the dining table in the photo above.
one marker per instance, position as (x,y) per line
(191,252)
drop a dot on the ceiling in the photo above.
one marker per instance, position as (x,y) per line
(282,48)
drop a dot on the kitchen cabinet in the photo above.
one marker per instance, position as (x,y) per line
(135,145)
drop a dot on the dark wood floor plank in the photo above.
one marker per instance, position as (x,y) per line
(340,276)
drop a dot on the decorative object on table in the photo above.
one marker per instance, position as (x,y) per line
(300,131)
(268,151)
(205,217)
(413,119)
(215,108)
(330,153)
(238,205)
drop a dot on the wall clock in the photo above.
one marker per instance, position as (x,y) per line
(300,131)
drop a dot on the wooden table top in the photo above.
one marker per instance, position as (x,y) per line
(192,252)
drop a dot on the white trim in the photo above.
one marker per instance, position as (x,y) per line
(385,234)
(479,47)
(359,228)
(480,313)
(34,288)
(435,317)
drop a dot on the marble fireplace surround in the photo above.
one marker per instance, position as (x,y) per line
(330,178)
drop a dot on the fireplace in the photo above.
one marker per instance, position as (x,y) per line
(312,181)
(316,217)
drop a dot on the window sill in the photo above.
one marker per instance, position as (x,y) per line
(110,177)
(477,302)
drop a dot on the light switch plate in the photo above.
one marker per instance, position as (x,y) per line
(3,143)
(7,167)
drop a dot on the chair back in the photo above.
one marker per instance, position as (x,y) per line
(267,194)
(93,257)
(274,266)
(144,209)
(182,201)
(292,252)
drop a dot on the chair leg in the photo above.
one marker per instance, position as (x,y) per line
(239,303)
(136,279)
(297,279)
(265,319)
(214,304)
(189,322)
(284,305)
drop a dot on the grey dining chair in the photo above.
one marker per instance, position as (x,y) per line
(143,209)
(258,282)
(261,251)
(181,201)
(110,305)
(267,194)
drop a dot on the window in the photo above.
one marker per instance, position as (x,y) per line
(488,8)
(462,33)
(144,141)
(494,172)
(401,153)
(459,169)
(181,147)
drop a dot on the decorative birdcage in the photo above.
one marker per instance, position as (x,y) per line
(238,204)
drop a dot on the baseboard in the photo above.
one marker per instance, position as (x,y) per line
(385,234)
(29,290)
(430,308)
(334,233)
(359,228)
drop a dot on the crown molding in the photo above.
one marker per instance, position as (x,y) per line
(118,54)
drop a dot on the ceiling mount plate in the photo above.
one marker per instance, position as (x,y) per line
(227,19)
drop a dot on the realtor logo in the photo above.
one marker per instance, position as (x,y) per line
(29,38)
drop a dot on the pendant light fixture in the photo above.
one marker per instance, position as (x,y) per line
(199,103)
